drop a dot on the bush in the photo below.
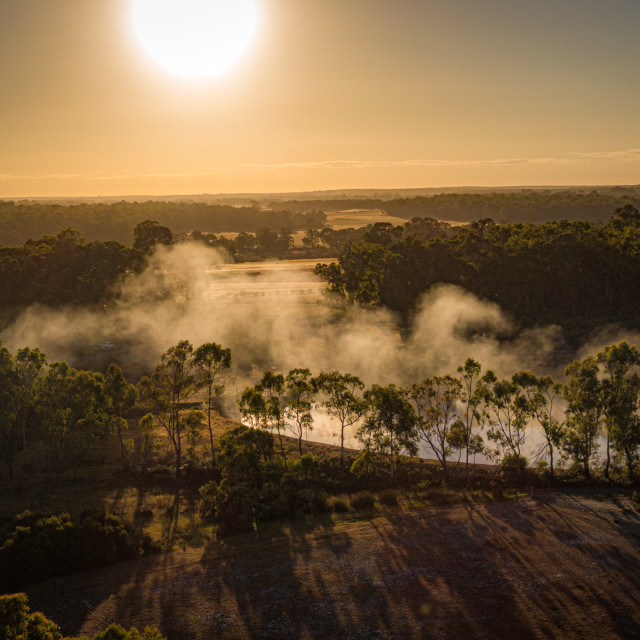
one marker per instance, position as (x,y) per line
(389,498)
(16,623)
(34,546)
(339,506)
(513,466)
(363,501)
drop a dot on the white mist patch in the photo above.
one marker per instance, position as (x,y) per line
(273,314)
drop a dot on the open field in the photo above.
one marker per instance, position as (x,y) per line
(557,566)
(357,218)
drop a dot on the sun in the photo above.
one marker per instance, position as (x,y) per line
(195,38)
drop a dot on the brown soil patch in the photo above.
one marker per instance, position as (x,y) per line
(558,566)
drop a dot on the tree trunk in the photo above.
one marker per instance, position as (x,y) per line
(119,430)
(551,459)
(300,445)
(24,438)
(630,473)
(213,449)
(606,467)
(342,451)
(284,455)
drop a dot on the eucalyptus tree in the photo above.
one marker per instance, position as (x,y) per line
(121,397)
(163,393)
(620,397)
(72,407)
(544,395)
(471,399)
(299,390)
(209,361)
(507,412)
(264,404)
(29,365)
(343,401)
(435,401)
(390,426)
(584,395)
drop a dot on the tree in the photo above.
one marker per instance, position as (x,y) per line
(9,436)
(146,425)
(121,397)
(390,426)
(311,238)
(191,427)
(263,404)
(543,394)
(209,361)
(507,410)
(18,623)
(148,234)
(471,399)
(435,401)
(299,390)
(583,393)
(29,365)
(620,396)
(342,401)
(72,407)
(167,389)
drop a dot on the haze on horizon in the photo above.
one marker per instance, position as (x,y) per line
(328,95)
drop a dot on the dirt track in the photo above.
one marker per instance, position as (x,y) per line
(554,567)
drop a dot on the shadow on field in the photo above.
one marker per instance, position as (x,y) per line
(534,569)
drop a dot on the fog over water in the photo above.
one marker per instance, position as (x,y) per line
(275,315)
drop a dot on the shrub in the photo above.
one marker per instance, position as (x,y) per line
(339,506)
(363,501)
(34,546)
(389,498)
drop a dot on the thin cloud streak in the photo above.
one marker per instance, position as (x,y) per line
(575,157)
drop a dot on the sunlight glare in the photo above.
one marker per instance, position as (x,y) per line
(196,38)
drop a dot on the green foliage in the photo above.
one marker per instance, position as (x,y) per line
(62,269)
(17,623)
(34,547)
(572,274)
(390,426)
(254,487)
(513,466)
(583,394)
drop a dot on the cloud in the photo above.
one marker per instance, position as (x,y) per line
(624,155)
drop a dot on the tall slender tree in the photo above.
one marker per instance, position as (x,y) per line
(343,401)
(209,361)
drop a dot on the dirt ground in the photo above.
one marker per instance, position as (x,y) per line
(556,566)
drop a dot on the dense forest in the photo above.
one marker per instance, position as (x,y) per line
(571,273)
(20,221)
(517,206)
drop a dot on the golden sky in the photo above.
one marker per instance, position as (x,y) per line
(329,94)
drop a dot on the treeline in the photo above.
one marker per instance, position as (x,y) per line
(20,221)
(17,622)
(447,416)
(519,206)
(573,274)
(63,269)
(465,415)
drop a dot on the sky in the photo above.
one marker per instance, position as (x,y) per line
(330,94)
